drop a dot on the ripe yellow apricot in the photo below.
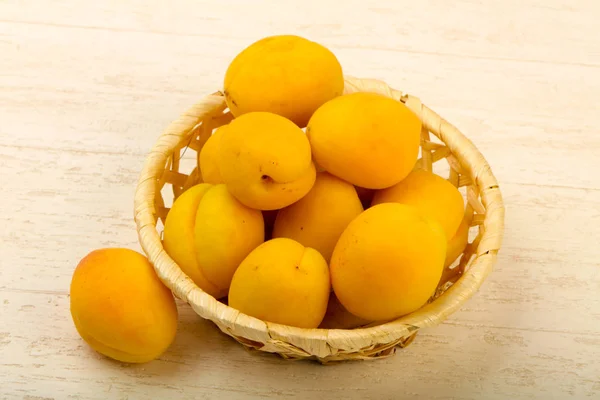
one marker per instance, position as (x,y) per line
(287,75)
(337,317)
(208,233)
(226,231)
(266,161)
(120,307)
(179,237)
(387,262)
(458,242)
(433,195)
(318,219)
(367,139)
(208,159)
(282,282)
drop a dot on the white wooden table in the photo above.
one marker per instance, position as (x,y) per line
(86,87)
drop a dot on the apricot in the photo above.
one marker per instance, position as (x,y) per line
(120,307)
(208,158)
(266,161)
(367,139)
(387,262)
(285,74)
(226,231)
(458,242)
(282,282)
(318,219)
(179,237)
(208,233)
(433,195)
(337,317)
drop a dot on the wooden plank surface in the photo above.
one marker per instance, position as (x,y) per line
(86,87)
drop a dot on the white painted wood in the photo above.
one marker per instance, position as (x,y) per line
(86,87)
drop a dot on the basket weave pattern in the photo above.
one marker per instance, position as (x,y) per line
(440,141)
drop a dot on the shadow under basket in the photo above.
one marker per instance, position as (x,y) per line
(465,167)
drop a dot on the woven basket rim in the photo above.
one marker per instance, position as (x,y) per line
(231,320)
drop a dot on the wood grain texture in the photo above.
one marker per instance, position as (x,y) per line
(86,87)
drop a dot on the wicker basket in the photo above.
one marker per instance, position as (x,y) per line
(467,169)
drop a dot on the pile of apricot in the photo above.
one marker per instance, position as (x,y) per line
(311,211)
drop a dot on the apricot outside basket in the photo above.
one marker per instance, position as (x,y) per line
(467,168)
